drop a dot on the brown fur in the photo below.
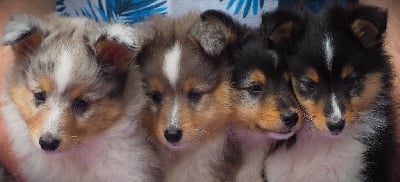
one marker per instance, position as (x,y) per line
(347,70)
(259,117)
(23,99)
(74,128)
(212,111)
(46,84)
(360,103)
(313,109)
(203,144)
(312,74)
(286,76)
(51,36)
(258,77)
(366,32)
(24,47)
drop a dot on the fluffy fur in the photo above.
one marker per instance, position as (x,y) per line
(71,80)
(265,107)
(187,79)
(343,80)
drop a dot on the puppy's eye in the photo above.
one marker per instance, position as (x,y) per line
(351,80)
(156,96)
(309,84)
(79,105)
(194,96)
(40,97)
(255,89)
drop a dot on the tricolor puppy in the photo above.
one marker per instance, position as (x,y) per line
(266,109)
(343,79)
(72,101)
(187,79)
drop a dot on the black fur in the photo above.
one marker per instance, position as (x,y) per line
(252,53)
(364,52)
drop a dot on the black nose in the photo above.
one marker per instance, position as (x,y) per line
(49,143)
(290,118)
(173,135)
(336,127)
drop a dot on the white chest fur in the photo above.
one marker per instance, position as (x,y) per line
(197,163)
(315,158)
(254,148)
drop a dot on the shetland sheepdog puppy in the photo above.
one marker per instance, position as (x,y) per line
(72,101)
(266,110)
(343,80)
(186,77)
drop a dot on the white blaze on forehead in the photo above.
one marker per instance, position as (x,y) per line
(52,123)
(171,64)
(174,120)
(63,70)
(328,50)
(336,114)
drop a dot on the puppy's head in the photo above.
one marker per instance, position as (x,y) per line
(186,77)
(265,101)
(337,62)
(68,77)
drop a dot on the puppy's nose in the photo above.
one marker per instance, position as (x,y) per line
(290,118)
(173,135)
(49,143)
(336,127)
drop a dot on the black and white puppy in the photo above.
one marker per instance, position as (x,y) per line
(342,78)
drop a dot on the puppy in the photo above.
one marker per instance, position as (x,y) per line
(266,110)
(72,101)
(343,79)
(186,77)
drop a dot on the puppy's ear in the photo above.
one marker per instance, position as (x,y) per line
(215,31)
(119,45)
(283,28)
(368,24)
(24,34)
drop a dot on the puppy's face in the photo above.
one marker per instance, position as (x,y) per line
(188,87)
(339,68)
(65,88)
(265,102)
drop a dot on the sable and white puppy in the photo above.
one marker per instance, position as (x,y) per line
(187,78)
(343,79)
(72,101)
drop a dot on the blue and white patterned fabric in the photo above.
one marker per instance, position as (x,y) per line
(314,5)
(245,11)
(124,11)
(131,11)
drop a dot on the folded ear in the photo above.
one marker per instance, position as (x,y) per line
(24,34)
(119,45)
(215,31)
(283,28)
(369,25)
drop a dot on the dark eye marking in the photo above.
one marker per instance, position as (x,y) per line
(351,79)
(80,105)
(155,96)
(40,97)
(194,95)
(255,89)
(309,84)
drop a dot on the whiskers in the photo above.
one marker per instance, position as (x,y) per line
(307,116)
